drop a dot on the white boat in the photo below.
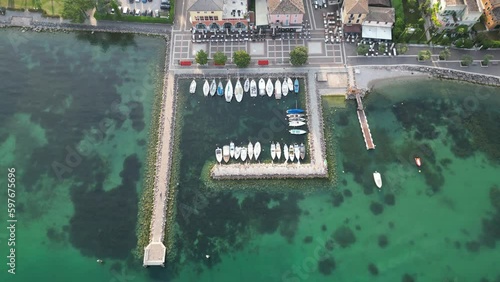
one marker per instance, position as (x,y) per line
(269,87)
(246,85)
(220,89)
(192,87)
(218,154)
(284,87)
(378,179)
(262,87)
(228,93)
(273,151)
(231,149)
(295,115)
(278,150)
(285,152)
(302,151)
(213,87)
(238,91)
(291,153)
(253,88)
(290,84)
(296,152)
(225,153)
(250,150)
(256,150)
(206,88)
(297,131)
(243,153)
(297,119)
(296,123)
(237,152)
(277,89)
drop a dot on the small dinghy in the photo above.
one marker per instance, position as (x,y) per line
(213,87)
(246,85)
(284,87)
(218,154)
(418,162)
(206,88)
(243,154)
(285,152)
(277,89)
(192,87)
(253,89)
(262,87)
(238,91)
(296,86)
(237,152)
(302,151)
(273,151)
(231,149)
(378,179)
(278,151)
(250,150)
(291,153)
(290,84)
(296,123)
(297,131)
(269,87)
(229,91)
(225,153)
(256,150)
(220,89)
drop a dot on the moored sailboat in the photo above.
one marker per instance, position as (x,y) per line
(250,150)
(285,152)
(253,88)
(296,86)
(246,85)
(278,150)
(277,89)
(206,88)
(225,153)
(238,91)
(192,87)
(273,150)
(218,154)
(296,151)
(291,152)
(229,91)
(256,150)
(213,87)
(243,154)
(269,87)
(284,87)
(231,149)
(290,84)
(220,89)
(237,152)
(302,151)
(262,87)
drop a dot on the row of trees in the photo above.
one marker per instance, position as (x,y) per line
(241,58)
(446,53)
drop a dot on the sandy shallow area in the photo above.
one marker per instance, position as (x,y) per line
(367,77)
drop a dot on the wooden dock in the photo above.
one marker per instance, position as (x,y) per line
(363,122)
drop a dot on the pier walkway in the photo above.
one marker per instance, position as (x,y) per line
(363,122)
(315,169)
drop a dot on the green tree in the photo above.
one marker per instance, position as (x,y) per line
(486,59)
(241,58)
(362,49)
(220,58)
(466,60)
(381,48)
(445,54)
(401,48)
(299,56)
(201,57)
(461,30)
(76,10)
(424,55)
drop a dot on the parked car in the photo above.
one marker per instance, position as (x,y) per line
(165,6)
(315,4)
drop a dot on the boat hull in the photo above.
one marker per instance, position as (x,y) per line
(378,179)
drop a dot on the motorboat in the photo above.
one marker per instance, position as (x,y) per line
(297,119)
(238,91)
(262,87)
(237,152)
(273,150)
(256,150)
(294,111)
(218,154)
(246,85)
(231,149)
(277,89)
(192,87)
(296,86)
(253,88)
(269,87)
(291,116)
(291,153)
(297,131)
(285,152)
(228,92)
(284,87)
(206,88)
(296,152)
(220,89)
(243,154)
(250,150)
(418,162)
(225,153)
(378,179)
(302,151)
(278,151)
(290,84)
(213,87)
(296,123)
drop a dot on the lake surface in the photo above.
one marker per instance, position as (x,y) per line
(75,112)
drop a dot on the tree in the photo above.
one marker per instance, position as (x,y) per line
(220,58)
(201,57)
(486,59)
(363,49)
(401,48)
(445,54)
(424,55)
(76,10)
(299,56)
(466,60)
(241,58)
(381,48)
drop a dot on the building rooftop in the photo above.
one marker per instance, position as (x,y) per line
(261,12)
(380,3)
(472,5)
(234,9)
(378,14)
(286,7)
(454,2)
(356,6)
(206,5)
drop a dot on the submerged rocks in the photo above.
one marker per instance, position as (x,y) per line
(326,266)
(389,199)
(344,236)
(383,241)
(372,268)
(376,208)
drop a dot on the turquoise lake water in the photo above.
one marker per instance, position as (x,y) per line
(75,112)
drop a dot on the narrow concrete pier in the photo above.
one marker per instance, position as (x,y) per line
(363,122)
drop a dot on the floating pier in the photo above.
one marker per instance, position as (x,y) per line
(363,122)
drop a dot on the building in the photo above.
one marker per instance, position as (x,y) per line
(453,13)
(213,15)
(378,23)
(492,13)
(285,13)
(353,13)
